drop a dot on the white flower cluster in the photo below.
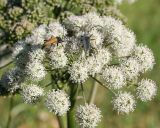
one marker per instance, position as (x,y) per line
(58,57)
(56,29)
(36,54)
(124,102)
(12,79)
(82,47)
(78,72)
(130,67)
(29,54)
(38,35)
(146,89)
(35,71)
(32,93)
(88,116)
(58,102)
(145,57)
(114,77)
(118,35)
(96,62)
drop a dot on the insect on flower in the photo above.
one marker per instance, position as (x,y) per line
(88,42)
(91,38)
(53,41)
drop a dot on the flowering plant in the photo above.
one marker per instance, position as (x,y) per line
(81,47)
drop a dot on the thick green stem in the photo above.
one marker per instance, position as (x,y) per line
(71,114)
(60,121)
(71,119)
(9,116)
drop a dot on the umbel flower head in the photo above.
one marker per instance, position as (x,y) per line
(114,77)
(88,116)
(145,57)
(32,93)
(78,72)
(71,52)
(36,54)
(94,42)
(58,57)
(35,70)
(124,103)
(118,36)
(130,68)
(146,89)
(57,101)
(12,79)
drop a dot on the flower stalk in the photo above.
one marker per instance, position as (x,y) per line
(9,116)
(93,93)
(70,114)
(100,83)
(60,121)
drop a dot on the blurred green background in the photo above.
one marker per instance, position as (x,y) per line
(144,19)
